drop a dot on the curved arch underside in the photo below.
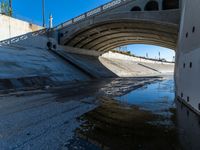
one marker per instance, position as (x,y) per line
(106,36)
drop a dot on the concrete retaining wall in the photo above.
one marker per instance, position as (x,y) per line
(113,55)
(21,62)
(11,27)
(118,65)
(31,64)
(126,66)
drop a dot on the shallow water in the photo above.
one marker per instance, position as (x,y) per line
(145,119)
(157,97)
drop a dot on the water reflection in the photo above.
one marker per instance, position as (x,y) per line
(144,119)
(156,97)
(151,96)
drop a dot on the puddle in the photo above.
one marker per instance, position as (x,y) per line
(142,119)
(156,97)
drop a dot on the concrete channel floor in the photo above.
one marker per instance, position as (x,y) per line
(47,119)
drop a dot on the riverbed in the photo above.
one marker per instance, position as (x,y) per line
(111,114)
(147,118)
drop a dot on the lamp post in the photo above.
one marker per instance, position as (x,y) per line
(43,12)
(50,21)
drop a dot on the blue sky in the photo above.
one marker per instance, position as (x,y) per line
(152,51)
(62,10)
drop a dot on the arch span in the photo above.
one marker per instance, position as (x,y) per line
(152,6)
(106,33)
(111,35)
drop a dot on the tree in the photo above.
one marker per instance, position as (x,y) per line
(6,8)
(10,8)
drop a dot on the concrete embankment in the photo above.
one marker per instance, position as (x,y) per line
(29,67)
(12,27)
(23,66)
(128,66)
(114,64)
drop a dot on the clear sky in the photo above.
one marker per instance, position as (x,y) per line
(63,10)
(152,51)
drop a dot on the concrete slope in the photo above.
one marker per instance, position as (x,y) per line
(112,65)
(127,68)
(30,66)
(72,62)
(90,64)
(162,68)
(27,67)
(146,66)
(115,65)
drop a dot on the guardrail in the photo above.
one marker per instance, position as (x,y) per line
(91,13)
(23,37)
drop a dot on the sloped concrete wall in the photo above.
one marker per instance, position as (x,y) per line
(118,65)
(22,65)
(128,66)
(18,61)
(11,27)
(90,64)
(131,58)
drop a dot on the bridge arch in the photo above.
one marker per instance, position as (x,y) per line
(170,4)
(106,36)
(117,29)
(136,8)
(151,6)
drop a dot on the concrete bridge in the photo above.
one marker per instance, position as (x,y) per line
(168,23)
(72,52)
(123,22)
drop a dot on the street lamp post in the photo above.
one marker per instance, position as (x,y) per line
(43,12)
(50,21)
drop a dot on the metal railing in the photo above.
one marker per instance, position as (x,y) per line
(91,13)
(23,37)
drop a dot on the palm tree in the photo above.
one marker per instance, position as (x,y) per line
(10,8)
(10,3)
(6,8)
(3,8)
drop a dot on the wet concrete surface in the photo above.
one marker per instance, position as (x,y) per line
(47,119)
(119,113)
(143,119)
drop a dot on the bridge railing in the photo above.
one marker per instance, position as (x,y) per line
(23,37)
(91,13)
